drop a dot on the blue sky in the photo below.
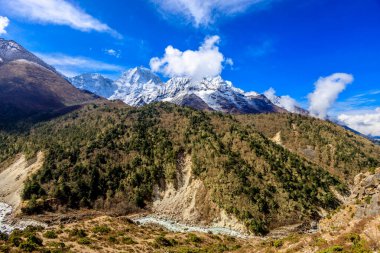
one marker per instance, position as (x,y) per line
(284,44)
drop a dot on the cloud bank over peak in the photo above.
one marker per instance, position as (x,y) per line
(286,102)
(60,12)
(327,90)
(207,61)
(204,12)
(364,122)
(4,22)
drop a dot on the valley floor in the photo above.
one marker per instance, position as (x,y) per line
(121,234)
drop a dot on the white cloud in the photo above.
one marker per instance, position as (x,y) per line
(71,66)
(4,22)
(207,61)
(326,92)
(59,12)
(367,123)
(286,102)
(204,12)
(229,61)
(113,52)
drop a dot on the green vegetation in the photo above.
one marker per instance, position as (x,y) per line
(101,229)
(324,143)
(332,249)
(194,238)
(161,241)
(50,234)
(108,156)
(84,241)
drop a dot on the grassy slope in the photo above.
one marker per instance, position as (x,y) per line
(109,156)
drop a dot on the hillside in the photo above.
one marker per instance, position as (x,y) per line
(354,227)
(111,157)
(31,88)
(339,151)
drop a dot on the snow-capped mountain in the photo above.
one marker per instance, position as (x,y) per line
(94,83)
(11,51)
(140,86)
(218,94)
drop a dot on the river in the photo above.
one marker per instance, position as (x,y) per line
(7,226)
(177,227)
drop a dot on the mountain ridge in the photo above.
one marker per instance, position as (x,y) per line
(140,86)
(11,51)
(30,88)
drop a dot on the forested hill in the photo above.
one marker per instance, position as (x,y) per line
(109,156)
(337,150)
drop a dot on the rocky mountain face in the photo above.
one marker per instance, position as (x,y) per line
(140,86)
(366,191)
(28,86)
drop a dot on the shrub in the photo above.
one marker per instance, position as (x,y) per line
(162,241)
(194,238)
(332,249)
(84,241)
(28,246)
(112,239)
(258,227)
(128,240)
(278,243)
(354,238)
(78,232)
(103,229)
(50,234)
(15,240)
(31,244)
(3,237)
(35,239)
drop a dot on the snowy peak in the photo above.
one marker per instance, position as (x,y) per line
(218,94)
(138,75)
(95,83)
(138,86)
(12,51)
